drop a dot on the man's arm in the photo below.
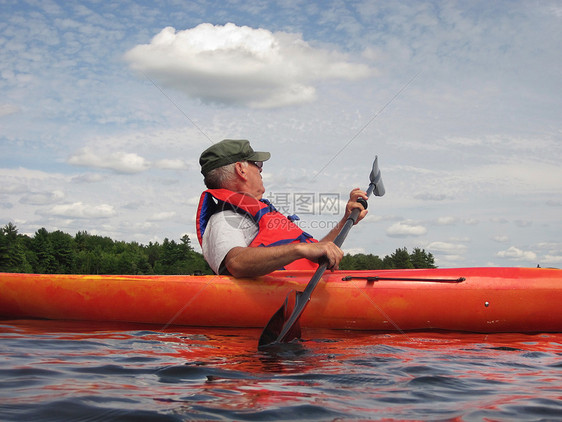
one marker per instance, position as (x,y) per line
(255,262)
(354,195)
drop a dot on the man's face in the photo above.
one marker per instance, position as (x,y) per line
(255,182)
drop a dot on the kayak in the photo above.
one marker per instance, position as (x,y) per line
(482,300)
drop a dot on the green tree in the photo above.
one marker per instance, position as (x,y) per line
(5,250)
(12,251)
(388,263)
(45,262)
(152,251)
(361,262)
(168,256)
(177,258)
(422,259)
(401,259)
(63,252)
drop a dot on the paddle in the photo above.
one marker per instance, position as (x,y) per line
(284,324)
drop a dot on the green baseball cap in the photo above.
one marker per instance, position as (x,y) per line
(229,151)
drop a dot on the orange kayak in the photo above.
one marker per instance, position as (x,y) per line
(461,299)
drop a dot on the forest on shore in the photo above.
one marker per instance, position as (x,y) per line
(61,253)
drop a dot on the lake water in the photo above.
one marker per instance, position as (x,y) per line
(53,370)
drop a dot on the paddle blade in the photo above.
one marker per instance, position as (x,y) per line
(275,325)
(376,179)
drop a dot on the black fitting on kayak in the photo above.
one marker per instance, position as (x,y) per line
(372,279)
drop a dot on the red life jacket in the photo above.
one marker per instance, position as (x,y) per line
(273,227)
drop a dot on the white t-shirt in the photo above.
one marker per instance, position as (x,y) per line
(226,230)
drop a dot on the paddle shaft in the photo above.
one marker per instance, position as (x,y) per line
(282,327)
(304,297)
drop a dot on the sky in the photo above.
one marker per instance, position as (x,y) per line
(105,109)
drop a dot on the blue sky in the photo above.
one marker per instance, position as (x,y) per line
(105,108)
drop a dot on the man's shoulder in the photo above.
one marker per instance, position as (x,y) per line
(226,215)
(231,219)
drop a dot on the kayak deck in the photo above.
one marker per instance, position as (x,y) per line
(458,299)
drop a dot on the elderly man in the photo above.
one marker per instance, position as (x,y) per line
(244,235)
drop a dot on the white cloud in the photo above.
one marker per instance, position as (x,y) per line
(552,259)
(517,254)
(550,245)
(135,205)
(88,178)
(81,210)
(552,254)
(21,174)
(10,186)
(447,248)
(448,258)
(446,221)
(42,198)
(7,109)
(162,216)
(521,176)
(120,162)
(370,218)
(171,164)
(193,200)
(501,238)
(354,251)
(240,65)
(406,229)
(448,253)
(430,196)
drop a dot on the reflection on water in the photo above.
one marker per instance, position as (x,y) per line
(53,370)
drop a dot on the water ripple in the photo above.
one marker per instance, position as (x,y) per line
(64,371)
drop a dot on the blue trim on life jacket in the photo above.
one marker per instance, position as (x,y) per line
(209,204)
(205,215)
(303,238)
(263,211)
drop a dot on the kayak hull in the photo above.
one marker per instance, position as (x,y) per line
(459,299)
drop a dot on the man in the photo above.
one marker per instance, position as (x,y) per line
(234,222)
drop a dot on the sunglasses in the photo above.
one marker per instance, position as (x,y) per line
(258,164)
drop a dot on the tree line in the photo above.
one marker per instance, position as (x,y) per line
(399,259)
(61,253)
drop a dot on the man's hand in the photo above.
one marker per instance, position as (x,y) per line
(352,204)
(325,250)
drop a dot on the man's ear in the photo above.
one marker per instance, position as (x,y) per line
(241,170)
